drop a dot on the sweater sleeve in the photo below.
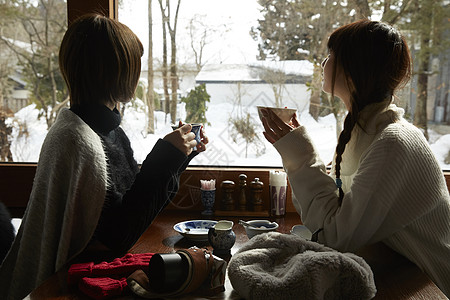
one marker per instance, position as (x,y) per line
(398,180)
(154,186)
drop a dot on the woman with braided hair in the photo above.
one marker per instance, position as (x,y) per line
(385,183)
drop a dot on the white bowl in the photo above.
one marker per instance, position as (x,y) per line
(262,227)
(285,114)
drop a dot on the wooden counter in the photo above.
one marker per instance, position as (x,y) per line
(395,277)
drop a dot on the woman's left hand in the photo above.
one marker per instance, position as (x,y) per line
(274,127)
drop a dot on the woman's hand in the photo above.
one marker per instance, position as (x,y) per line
(274,127)
(182,138)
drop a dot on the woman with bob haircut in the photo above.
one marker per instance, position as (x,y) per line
(88,193)
(385,183)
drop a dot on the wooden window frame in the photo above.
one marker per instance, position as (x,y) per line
(77,8)
(16,181)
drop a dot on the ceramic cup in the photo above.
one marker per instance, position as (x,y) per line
(208,198)
(222,238)
(278,200)
(195,129)
(285,114)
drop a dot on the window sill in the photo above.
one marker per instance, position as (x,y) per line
(16,180)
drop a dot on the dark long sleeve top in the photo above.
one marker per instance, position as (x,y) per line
(134,196)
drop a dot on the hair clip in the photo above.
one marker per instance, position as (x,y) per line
(338,183)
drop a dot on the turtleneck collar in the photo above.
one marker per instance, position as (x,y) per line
(99,117)
(375,118)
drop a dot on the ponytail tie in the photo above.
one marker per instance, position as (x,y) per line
(338,183)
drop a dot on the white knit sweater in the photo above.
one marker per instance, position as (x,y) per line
(395,192)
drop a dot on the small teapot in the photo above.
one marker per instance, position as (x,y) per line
(222,237)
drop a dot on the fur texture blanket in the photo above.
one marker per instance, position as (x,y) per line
(285,266)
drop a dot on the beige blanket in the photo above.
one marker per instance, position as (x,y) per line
(285,266)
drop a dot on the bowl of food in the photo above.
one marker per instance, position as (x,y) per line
(285,114)
(255,227)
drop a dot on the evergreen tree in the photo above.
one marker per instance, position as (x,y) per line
(296,30)
(196,105)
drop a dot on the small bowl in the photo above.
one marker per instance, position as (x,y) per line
(302,231)
(263,226)
(285,114)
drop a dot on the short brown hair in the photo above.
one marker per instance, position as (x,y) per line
(100,60)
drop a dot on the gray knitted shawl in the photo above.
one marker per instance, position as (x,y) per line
(65,204)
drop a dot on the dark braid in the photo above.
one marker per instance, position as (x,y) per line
(344,138)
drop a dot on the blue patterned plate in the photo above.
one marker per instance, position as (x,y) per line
(195,230)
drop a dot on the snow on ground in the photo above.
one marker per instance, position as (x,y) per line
(221,149)
(28,134)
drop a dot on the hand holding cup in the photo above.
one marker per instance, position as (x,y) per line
(188,137)
(275,128)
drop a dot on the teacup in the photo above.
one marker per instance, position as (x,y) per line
(285,114)
(196,129)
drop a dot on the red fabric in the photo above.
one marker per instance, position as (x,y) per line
(123,266)
(107,279)
(103,287)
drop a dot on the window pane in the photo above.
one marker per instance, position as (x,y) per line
(215,48)
(237,79)
(224,53)
(31,87)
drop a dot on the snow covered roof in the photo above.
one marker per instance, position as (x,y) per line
(22,45)
(252,72)
(289,67)
(226,72)
(18,80)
